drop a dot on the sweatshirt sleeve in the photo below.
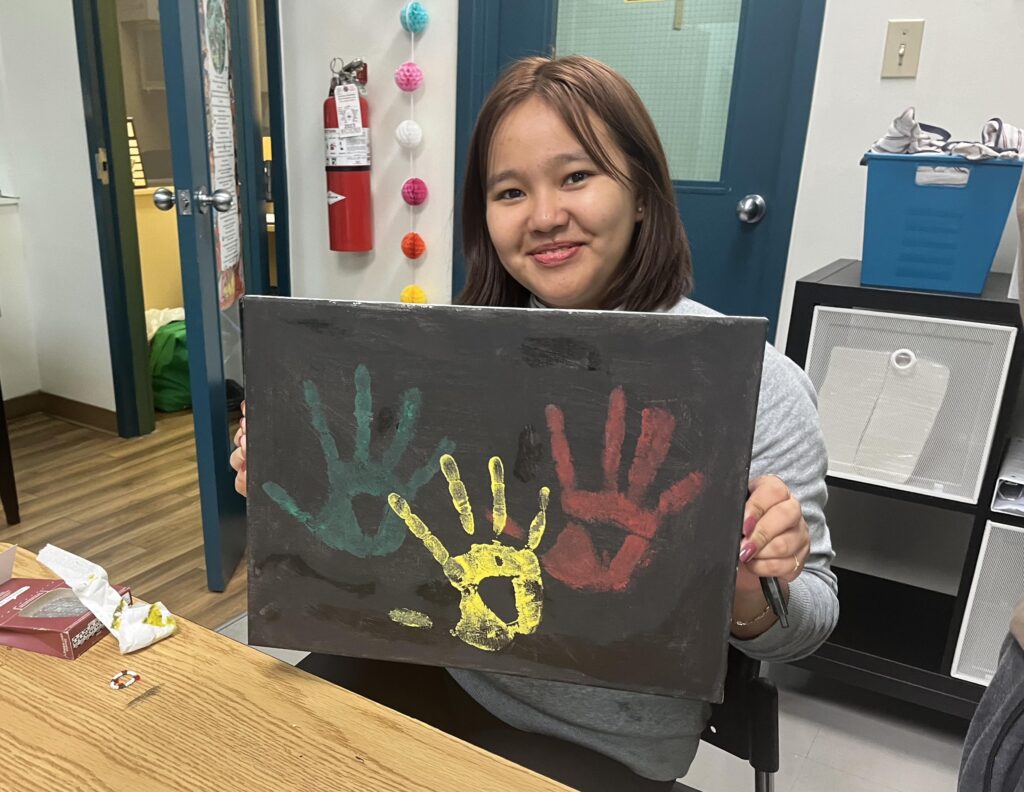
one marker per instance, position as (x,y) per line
(788,443)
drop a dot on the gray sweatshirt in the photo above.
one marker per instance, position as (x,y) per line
(993,758)
(657,736)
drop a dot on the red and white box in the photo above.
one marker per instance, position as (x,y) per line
(45,616)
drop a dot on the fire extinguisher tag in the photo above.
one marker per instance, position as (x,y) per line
(350,152)
(350,118)
(333,197)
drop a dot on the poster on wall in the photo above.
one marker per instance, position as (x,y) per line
(554,494)
(220,126)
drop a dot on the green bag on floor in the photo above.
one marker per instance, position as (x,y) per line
(168,365)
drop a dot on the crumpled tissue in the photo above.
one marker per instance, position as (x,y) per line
(134,626)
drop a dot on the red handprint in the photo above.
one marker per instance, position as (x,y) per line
(573,559)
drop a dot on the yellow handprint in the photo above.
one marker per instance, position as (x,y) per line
(480,626)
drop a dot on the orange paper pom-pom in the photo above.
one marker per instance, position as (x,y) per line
(413,294)
(413,245)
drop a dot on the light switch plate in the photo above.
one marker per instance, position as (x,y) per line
(902,48)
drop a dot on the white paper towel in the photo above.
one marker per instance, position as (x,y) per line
(134,626)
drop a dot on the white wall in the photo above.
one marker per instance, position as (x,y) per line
(313,32)
(59,273)
(971,62)
(19,369)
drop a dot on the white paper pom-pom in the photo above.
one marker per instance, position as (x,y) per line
(409,134)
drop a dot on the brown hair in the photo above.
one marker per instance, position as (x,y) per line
(657,270)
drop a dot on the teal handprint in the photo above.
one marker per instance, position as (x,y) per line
(336,524)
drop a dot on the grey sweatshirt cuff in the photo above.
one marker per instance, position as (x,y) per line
(810,623)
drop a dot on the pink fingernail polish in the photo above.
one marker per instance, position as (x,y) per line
(747,552)
(748,525)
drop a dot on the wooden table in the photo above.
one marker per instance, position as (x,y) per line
(211,714)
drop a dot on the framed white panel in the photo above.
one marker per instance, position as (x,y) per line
(908,402)
(997,587)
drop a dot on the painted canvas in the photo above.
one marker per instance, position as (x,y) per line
(555,494)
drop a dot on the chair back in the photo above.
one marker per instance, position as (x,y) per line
(746,723)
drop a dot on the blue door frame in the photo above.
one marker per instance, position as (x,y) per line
(250,154)
(279,163)
(492,34)
(774,110)
(222,509)
(99,60)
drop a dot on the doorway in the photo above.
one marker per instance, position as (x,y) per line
(149,151)
(187,225)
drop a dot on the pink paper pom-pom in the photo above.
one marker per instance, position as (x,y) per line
(408,76)
(414,191)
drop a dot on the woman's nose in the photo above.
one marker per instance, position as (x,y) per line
(547,213)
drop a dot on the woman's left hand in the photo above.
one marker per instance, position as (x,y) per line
(776,541)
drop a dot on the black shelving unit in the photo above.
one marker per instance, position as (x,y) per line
(895,638)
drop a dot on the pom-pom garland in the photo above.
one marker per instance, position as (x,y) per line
(409,77)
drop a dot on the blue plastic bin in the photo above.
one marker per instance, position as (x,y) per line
(933,223)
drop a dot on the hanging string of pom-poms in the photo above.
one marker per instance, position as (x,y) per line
(409,77)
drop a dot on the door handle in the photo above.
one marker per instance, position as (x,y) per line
(751,209)
(163,199)
(221,200)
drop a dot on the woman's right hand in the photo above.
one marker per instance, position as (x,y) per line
(238,456)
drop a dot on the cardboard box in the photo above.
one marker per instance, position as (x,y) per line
(45,616)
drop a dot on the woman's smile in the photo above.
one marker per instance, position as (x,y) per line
(555,254)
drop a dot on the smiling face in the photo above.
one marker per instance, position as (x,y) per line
(560,225)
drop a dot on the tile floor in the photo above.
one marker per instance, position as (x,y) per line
(834,738)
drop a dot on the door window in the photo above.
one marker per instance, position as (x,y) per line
(679,56)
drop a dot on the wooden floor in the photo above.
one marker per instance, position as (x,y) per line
(131,506)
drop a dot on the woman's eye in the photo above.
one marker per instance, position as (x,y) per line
(510,194)
(577,177)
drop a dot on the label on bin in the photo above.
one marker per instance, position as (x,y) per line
(941,176)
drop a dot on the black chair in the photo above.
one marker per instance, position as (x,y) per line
(8,492)
(746,723)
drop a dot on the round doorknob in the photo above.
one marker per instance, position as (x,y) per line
(751,209)
(163,199)
(221,200)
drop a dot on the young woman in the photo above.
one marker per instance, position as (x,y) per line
(568,203)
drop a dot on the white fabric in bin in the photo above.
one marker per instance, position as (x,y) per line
(902,420)
(846,400)
(876,415)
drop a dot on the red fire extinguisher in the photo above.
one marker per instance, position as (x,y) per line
(347,160)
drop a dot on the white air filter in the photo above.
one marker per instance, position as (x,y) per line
(997,588)
(908,402)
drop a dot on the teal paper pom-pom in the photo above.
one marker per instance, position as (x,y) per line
(414,17)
